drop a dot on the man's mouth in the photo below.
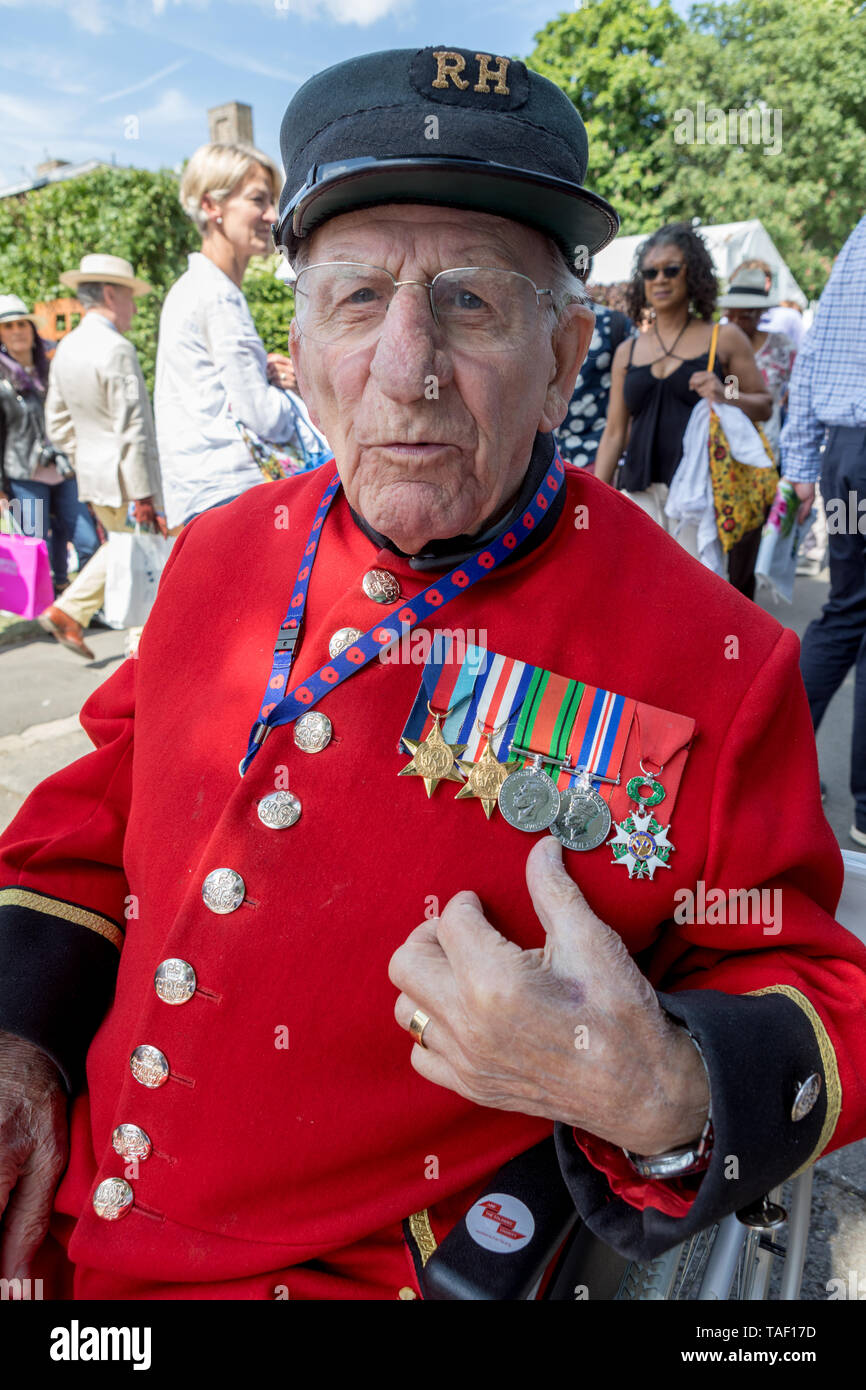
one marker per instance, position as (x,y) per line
(424,446)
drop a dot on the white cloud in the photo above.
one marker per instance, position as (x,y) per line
(173,108)
(89,15)
(50,70)
(145,82)
(360,12)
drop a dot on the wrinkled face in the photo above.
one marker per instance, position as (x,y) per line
(17,337)
(432,439)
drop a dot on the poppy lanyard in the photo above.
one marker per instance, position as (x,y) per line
(275,710)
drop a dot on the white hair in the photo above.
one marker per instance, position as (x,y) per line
(567,286)
(90,293)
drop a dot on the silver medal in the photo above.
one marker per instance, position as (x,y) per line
(584,818)
(529,799)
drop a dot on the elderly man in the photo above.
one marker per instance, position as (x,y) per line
(253,1122)
(98,412)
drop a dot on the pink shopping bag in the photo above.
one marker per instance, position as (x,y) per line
(25,576)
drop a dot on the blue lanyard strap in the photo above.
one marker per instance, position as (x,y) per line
(277,709)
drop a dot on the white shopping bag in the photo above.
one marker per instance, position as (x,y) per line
(851,911)
(135,562)
(781,538)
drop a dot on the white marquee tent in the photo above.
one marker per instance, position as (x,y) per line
(728,243)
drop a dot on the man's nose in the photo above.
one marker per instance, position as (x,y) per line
(410,350)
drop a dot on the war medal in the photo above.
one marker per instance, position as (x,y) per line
(584,818)
(641,843)
(529,799)
(433,758)
(486,775)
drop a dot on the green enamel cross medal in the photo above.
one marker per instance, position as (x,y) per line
(641,843)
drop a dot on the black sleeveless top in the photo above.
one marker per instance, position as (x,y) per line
(659,408)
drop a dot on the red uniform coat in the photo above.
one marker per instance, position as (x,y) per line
(292,1167)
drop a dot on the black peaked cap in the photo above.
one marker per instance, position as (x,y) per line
(439,125)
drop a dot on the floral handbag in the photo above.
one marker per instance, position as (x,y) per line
(307,450)
(742,494)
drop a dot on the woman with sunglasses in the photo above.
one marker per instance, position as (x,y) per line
(658,378)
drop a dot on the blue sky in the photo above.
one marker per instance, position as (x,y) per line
(72,72)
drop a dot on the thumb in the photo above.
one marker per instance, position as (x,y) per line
(578,942)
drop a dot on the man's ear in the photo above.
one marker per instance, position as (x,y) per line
(571,339)
(296,352)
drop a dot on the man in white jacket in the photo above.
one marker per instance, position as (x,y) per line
(98,412)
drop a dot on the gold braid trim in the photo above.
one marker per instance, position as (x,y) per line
(422,1232)
(832,1084)
(51,907)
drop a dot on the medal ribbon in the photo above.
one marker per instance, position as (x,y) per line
(598,737)
(480,686)
(548,714)
(394,625)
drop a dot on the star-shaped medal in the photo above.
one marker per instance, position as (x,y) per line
(485,777)
(642,844)
(433,759)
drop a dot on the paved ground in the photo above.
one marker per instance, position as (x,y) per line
(43,687)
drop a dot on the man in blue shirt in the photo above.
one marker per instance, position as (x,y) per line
(828,408)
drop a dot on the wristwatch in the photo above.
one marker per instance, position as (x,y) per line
(679,1163)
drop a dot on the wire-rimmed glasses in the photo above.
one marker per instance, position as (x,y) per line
(476,308)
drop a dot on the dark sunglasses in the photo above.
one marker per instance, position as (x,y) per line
(670,272)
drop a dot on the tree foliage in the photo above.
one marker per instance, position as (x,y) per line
(133,213)
(608,58)
(632,69)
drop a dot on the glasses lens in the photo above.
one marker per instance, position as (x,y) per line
(670,272)
(484,309)
(342,302)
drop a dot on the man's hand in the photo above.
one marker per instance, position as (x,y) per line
(281,371)
(146,516)
(33,1150)
(573,1032)
(806,494)
(707,384)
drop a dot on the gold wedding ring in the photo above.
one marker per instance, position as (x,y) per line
(417,1024)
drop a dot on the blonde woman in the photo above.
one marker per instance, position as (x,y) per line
(211,365)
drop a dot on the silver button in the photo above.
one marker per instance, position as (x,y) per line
(343,638)
(313,731)
(112,1199)
(174,981)
(380,586)
(223,890)
(806,1096)
(131,1142)
(279,810)
(149,1066)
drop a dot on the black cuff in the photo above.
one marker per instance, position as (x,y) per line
(759,1051)
(58,966)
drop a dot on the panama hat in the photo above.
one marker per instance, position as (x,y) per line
(747,291)
(105,270)
(13,308)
